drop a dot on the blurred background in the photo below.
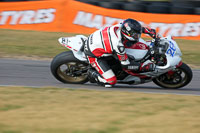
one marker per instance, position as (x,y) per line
(150,6)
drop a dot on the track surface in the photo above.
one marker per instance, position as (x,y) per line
(37,73)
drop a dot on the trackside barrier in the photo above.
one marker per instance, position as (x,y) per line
(76,17)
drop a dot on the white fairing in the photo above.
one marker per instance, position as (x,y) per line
(173,55)
(138,53)
(74,44)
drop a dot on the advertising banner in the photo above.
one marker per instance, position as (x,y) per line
(77,17)
(31,15)
(84,18)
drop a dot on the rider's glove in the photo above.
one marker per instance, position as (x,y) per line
(151,32)
(147,66)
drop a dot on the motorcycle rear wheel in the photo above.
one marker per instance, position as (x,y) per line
(180,78)
(65,66)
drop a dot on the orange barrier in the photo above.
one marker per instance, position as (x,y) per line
(76,17)
(32,15)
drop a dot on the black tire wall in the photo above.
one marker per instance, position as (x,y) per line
(60,59)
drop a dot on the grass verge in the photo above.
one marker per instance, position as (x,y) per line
(59,110)
(30,43)
(14,43)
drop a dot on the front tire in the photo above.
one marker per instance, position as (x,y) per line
(176,79)
(68,69)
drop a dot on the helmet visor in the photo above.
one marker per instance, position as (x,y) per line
(133,36)
(136,36)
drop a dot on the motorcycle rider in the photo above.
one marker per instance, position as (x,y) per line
(111,41)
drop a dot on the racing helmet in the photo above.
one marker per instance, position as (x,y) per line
(131,31)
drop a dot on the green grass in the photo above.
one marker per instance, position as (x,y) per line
(190,50)
(59,110)
(14,43)
(9,107)
(30,43)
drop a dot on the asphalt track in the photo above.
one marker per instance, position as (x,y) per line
(37,74)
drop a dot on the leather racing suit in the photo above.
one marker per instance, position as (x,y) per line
(106,42)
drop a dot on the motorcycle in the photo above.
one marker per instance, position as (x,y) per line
(170,72)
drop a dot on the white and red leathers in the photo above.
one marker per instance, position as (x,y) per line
(102,43)
(106,42)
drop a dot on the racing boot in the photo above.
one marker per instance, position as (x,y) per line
(95,77)
(147,66)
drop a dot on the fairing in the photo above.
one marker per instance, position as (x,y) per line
(74,44)
(138,50)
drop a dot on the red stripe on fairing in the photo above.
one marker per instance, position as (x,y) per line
(95,64)
(106,40)
(136,74)
(138,45)
(66,46)
(112,80)
(179,64)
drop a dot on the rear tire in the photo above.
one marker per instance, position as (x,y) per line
(181,77)
(64,66)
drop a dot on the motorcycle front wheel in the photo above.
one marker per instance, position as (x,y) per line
(178,78)
(68,69)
